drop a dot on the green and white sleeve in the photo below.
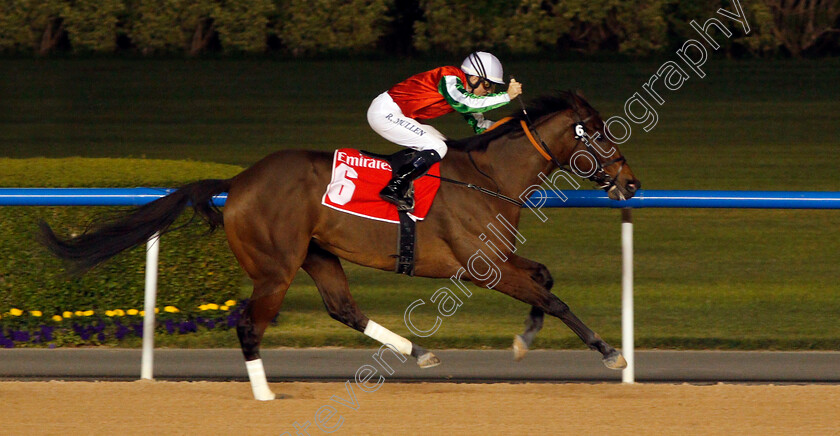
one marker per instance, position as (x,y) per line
(465,102)
(478,122)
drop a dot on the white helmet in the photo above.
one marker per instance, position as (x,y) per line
(484,65)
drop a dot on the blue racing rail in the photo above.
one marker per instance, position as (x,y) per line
(588,198)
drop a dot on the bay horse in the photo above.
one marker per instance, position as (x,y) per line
(275,225)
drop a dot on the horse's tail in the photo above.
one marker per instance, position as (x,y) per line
(105,239)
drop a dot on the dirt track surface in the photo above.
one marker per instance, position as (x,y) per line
(210,408)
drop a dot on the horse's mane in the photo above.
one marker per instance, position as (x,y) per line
(538,108)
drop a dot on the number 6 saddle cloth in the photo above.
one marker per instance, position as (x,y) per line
(357,180)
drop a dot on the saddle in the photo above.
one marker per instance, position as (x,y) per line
(358,177)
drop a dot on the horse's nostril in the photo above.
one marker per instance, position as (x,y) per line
(631,188)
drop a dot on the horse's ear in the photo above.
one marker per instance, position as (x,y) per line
(579,94)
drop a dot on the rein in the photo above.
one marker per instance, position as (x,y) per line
(479,189)
(600,176)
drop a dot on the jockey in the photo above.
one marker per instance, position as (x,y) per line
(469,90)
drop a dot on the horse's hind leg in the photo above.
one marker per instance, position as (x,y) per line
(255,240)
(263,305)
(325,269)
(272,270)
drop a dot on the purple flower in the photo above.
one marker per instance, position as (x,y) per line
(121,331)
(47,333)
(233,319)
(170,326)
(101,337)
(20,336)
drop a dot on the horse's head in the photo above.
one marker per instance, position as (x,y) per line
(578,142)
(575,141)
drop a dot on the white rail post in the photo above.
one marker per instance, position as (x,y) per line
(147,361)
(628,375)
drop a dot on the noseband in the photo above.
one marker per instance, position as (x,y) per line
(600,176)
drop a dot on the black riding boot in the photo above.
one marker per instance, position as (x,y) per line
(397,190)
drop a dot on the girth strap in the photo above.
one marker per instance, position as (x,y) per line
(405,244)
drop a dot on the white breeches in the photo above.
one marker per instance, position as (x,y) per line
(387,119)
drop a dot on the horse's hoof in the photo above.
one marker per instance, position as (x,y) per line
(615,360)
(519,348)
(274,396)
(428,360)
(265,396)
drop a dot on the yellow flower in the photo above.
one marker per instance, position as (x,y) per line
(142,313)
(57,318)
(119,312)
(230,303)
(15,312)
(67,314)
(157,310)
(109,313)
(203,307)
(213,306)
(171,309)
(87,313)
(224,308)
(79,313)
(132,312)
(35,312)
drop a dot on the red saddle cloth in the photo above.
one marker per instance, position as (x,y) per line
(357,180)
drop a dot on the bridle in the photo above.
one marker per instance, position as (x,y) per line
(600,175)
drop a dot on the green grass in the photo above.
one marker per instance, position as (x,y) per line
(745,279)
(198,268)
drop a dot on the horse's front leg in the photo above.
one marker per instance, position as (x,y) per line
(533,324)
(519,284)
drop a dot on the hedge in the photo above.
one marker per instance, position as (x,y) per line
(324,27)
(634,27)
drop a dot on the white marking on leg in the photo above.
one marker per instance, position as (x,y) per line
(259,384)
(387,337)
